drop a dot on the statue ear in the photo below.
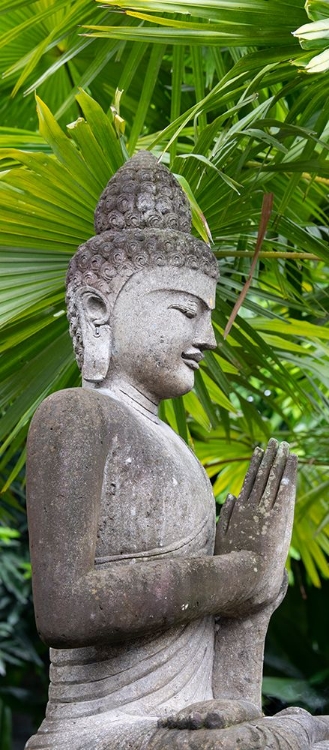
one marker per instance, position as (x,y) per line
(94,313)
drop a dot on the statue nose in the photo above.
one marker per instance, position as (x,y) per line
(206,338)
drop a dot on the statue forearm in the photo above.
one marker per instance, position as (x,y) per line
(125,601)
(239,653)
(238,662)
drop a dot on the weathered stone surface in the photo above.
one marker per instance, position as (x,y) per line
(156,621)
(143,194)
(282,732)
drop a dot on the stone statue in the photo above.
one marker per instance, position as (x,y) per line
(156,621)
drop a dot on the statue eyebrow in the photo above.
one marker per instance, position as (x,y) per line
(190,295)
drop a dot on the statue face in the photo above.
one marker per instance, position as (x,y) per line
(161,324)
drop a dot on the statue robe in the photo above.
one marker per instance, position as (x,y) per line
(110,697)
(116,693)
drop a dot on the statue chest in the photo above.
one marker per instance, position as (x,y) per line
(156,498)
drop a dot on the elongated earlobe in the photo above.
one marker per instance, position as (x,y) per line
(97,354)
(96,334)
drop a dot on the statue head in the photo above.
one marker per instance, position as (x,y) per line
(142,262)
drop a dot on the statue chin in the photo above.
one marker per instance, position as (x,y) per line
(156,618)
(180,384)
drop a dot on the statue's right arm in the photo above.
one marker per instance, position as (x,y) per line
(76,604)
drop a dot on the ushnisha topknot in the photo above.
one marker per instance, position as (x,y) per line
(143,194)
(142,220)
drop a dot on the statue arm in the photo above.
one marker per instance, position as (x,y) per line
(237,676)
(76,604)
(239,655)
(262,516)
(260,519)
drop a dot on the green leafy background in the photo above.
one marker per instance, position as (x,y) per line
(221,97)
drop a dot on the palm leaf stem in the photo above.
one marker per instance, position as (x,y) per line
(266,254)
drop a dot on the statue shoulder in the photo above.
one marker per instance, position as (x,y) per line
(76,417)
(68,443)
(68,402)
(74,408)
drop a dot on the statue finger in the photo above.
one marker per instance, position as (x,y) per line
(226,513)
(263,472)
(182,720)
(287,488)
(251,474)
(275,476)
(195,720)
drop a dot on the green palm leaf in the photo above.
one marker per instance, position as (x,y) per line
(233,123)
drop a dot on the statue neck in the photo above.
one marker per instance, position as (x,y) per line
(132,396)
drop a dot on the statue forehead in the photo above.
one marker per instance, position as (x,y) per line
(167,279)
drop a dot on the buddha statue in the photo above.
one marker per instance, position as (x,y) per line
(155,619)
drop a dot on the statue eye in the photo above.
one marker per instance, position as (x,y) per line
(188,311)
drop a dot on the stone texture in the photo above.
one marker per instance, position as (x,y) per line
(155,619)
(143,194)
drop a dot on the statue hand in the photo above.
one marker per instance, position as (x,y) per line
(260,519)
(213,714)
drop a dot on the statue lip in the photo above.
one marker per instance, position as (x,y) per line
(192,359)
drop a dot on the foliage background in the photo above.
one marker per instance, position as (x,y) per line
(221,95)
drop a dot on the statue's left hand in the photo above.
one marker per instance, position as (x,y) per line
(213,714)
(260,521)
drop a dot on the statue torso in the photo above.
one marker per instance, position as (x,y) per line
(156,496)
(156,502)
